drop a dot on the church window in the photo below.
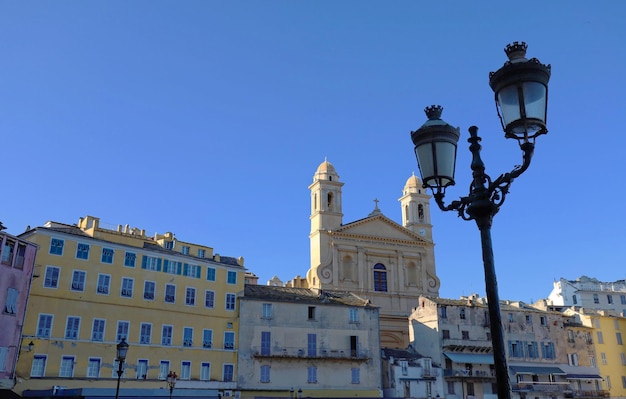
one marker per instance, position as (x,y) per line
(406,213)
(329,201)
(420,212)
(411,273)
(380,277)
(315,202)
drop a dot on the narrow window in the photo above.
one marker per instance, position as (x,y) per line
(78,280)
(56,246)
(145,333)
(129,259)
(205,371)
(185,370)
(230,301)
(122,330)
(209,299)
(93,368)
(267,311)
(207,339)
(188,336)
(67,367)
(266,343)
(127,287)
(164,369)
(82,251)
(311,312)
(72,327)
(44,326)
(97,330)
(190,296)
(149,287)
(380,278)
(170,293)
(39,366)
(312,374)
(312,345)
(265,373)
(166,335)
(210,274)
(356,375)
(142,369)
(229,340)
(232,277)
(227,372)
(10,306)
(107,255)
(104,281)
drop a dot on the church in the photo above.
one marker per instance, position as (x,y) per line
(376,258)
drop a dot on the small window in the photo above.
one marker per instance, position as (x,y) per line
(207,339)
(39,366)
(574,300)
(465,335)
(209,299)
(78,280)
(72,327)
(205,371)
(56,246)
(210,274)
(82,251)
(227,372)
(445,334)
(7,253)
(311,375)
(595,298)
(230,301)
(185,370)
(188,336)
(622,299)
(93,368)
(229,340)
(170,293)
(267,311)
(462,313)
(97,330)
(51,279)
(164,369)
(201,253)
(543,320)
(265,373)
(107,255)
(145,335)
(149,288)
(185,250)
(44,326)
(129,259)
(356,375)
(311,312)
(122,330)
(104,282)
(142,369)
(166,335)
(10,306)
(232,277)
(380,278)
(127,287)
(354,315)
(444,312)
(511,319)
(609,298)
(600,337)
(190,296)
(619,338)
(529,319)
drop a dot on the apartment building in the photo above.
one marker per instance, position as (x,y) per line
(298,342)
(17,259)
(589,293)
(174,302)
(408,374)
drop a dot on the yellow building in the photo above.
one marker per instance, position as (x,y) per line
(174,303)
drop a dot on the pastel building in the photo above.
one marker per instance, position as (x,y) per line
(174,302)
(589,293)
(17,258)
(298,342)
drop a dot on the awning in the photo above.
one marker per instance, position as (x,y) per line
(469,358)
(583,377)
(536,370)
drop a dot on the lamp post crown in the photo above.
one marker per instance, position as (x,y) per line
(516,50)
(433,112)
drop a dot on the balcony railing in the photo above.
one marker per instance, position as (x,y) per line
(469,373)
(541,387)
(591,394)
(304,353)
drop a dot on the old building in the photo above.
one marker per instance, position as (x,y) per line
(544,360)
(407,374)
(388,263)
(174,302)
(17,259)
(307,343)
(589,293)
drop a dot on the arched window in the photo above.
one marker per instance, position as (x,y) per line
(315,202)
(406,213)
(380,277)
(329,201)
(420,212)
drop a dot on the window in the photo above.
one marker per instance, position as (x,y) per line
(166,335)
(67,367)
(97,330)
(44,326)
(570,336)
(451,387)
(232,277)
(142,369)
(529,319)
(572,359)
(608,382)
(10,306)
(444,312)
(170,293)
(191,270)
(151,263)
(622,299)
(145,333)
(168,245)
(574,300)
(205,371)
(188,336)
(148,290)
(56,246)
(230,301)
(227,372)
(82,251)
(623,381)
(266,311)
(465,335)
(127,287)
(266,343)
(600,337)
(210,274)
(619,338)
(609,298)
(311,312)
(404,366)
(511,318)
(78,280)
(39,366)
(548,350)
(311,375)
(311,345)
(21,253)
(129,259)
(51,279)
(185,370)
(592,361)
(185,250)
(380,278)
(172,267)
(207,339)
(533,350)
(201,253)
(623,357)
(265,373)
(71,327)
(462,313)
(470,389)
(209,299)
(616,324)
(543,320)
(445,334)
(107,255)
(354,315)
(164,369)
(603,358)
(7,253)
(190,297)
(516,349)
(104,281)
(229,340)
(122,330)
(356,375)
(595,298)
(93,367)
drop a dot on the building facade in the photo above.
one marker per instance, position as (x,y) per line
(589,293)
(407,374)
(307,343)
(544,360)
(17,260)
(174,302)
(388,263)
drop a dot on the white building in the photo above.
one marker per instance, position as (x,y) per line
(587,292)
(407,374)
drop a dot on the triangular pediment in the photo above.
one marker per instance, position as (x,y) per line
(378,226)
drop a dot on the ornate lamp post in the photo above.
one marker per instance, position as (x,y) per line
(171,381)
(521,95)
(122,350)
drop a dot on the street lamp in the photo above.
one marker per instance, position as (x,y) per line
(171,381)
(291,393)
(122,350)
(521,95)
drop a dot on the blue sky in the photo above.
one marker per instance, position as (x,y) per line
(208,119)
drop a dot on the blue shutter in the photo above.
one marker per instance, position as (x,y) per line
(197,274)
(144,261)
(179,268)
(186,269)
(158,264)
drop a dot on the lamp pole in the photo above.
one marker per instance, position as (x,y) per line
(171,381)
(122,350)
(521,93)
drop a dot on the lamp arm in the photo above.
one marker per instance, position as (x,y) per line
(499,188)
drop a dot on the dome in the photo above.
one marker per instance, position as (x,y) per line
(413,185)
(326,171)
(326,167)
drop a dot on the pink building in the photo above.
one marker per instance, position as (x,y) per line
(17,259)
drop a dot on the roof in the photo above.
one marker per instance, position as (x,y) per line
(401,353)
(482,303)
(304,295)
(475,358)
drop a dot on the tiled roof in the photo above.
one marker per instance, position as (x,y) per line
(303,295)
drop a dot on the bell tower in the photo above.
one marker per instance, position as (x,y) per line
(415,203)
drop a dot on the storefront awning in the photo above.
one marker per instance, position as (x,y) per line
(475,358)
(583,377)
(539,370)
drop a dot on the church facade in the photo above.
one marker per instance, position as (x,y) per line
(388,263)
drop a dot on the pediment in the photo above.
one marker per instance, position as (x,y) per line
(380,227)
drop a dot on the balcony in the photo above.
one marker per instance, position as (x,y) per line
(303,353)
(467,345)
(463,374)
(546,387)
(592,394)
